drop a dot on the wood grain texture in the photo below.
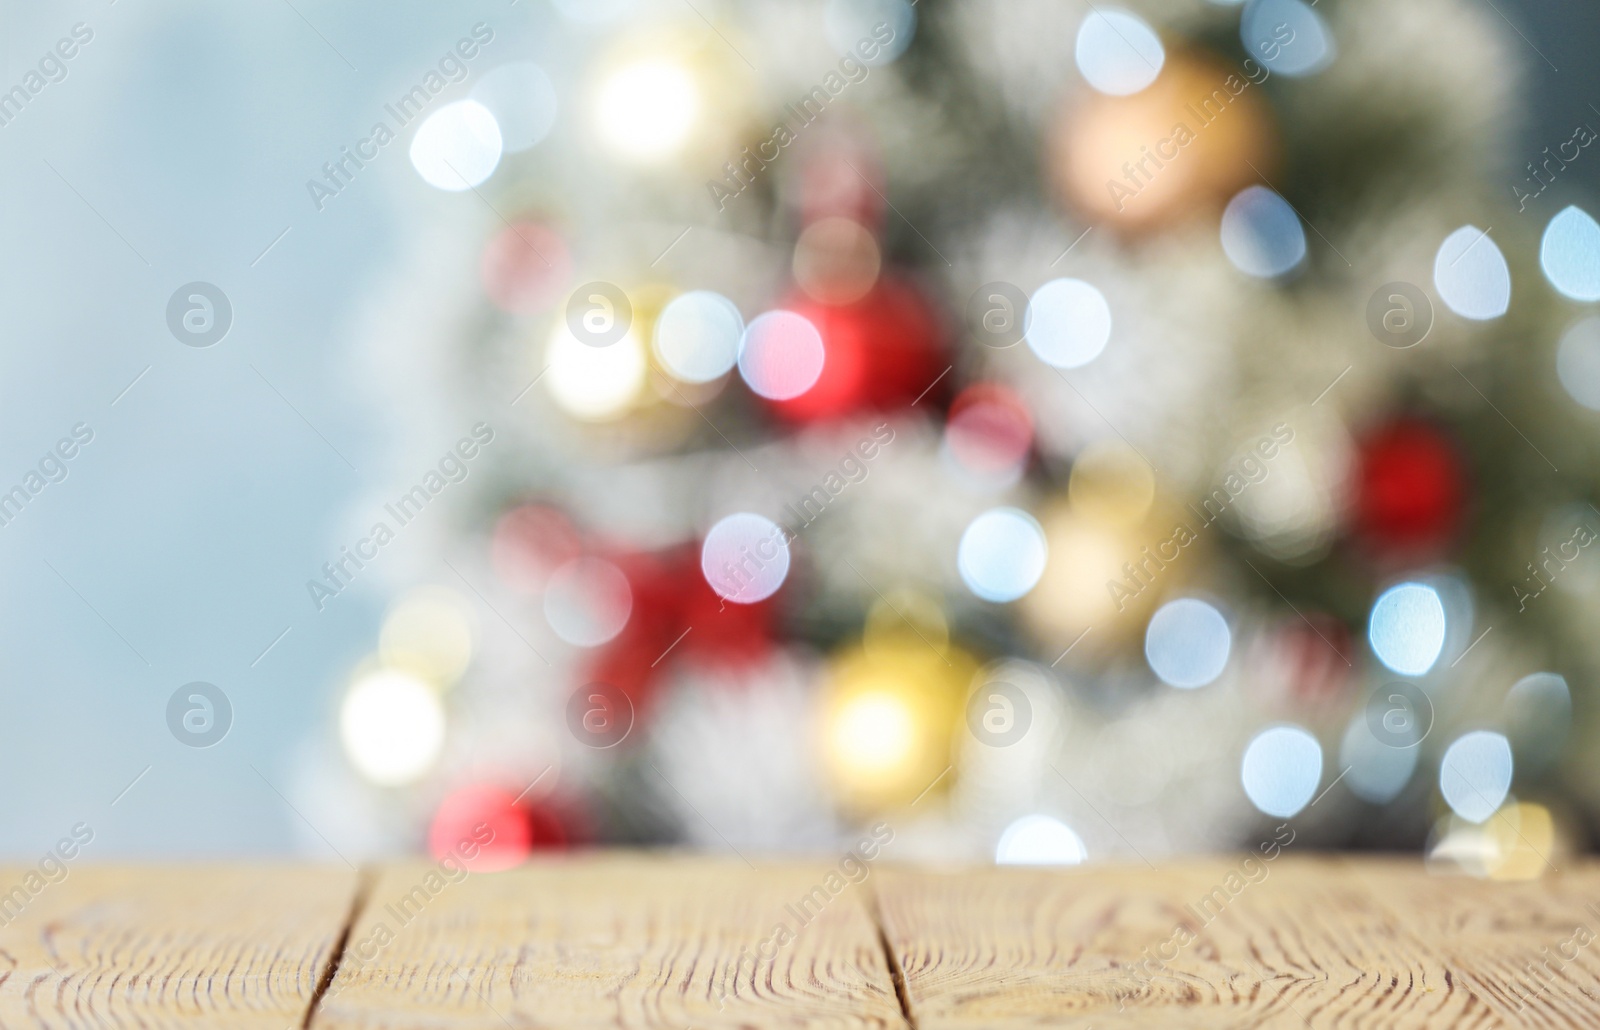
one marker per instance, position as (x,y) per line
(623,941)
(612,941)
(1297,942)
(169,947)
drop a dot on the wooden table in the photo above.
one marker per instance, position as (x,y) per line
(614,940)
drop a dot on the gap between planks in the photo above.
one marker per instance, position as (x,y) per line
(366,878)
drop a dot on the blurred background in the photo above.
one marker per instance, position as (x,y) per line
(1058,432)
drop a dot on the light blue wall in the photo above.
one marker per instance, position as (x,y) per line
(182,537)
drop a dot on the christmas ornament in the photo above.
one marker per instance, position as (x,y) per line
(889,718)
(483,826)
(1178,149)
(881,352)
(489,827)
(1410,488)
(677,617)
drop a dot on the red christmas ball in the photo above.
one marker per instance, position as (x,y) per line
(676,615)
(487,827)
(880,352)
(1411,487)
(482,826)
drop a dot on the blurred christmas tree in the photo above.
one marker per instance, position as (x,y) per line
(1056,430)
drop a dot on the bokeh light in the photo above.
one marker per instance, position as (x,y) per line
(1069,323)
(646,110)
(594,383)
(1039,840)
(1261,234)
(745,557)
(697,335)
(889,716)
(392,726)
(529,543)
(1085,553)
(1281,769)
(1187,643)
(1525,837)
(836,260)
(1117,51)
(523,101)
(781,356)
(1407,628)
(594,12)
(1377,771)
(1578,362)
(588,601)
(849,22)
(1475,774)
(1570,254)
(989,432)
(874,733)
(428,631)
(526,268)
(1109,482)
(1471,274)
(1287,36)
(1538,715)
(457,147)
(1002,554)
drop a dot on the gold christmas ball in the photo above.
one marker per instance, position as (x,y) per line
(890,713)
(1116,549)
(1180,148)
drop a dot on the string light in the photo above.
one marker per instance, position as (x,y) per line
(594,383)
(457,147)
(646,109)
(1002,554)
(587,602)
(890,714)
(1118,52)
(392,726)
(1471,274)
(428,631)
(1407,628)
(1475,774)
(1281,769)
(1039,840)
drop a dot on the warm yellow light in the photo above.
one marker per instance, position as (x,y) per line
(428,631)
(1525,836)
(873,736)
(1519,842)
(392,726)
(1085,555)
(646,110)
(890,713)
(594,383)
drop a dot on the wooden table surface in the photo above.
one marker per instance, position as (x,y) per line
(627,940)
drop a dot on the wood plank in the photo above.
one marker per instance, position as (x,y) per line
(1297,942)
(168,947)
(613,941)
